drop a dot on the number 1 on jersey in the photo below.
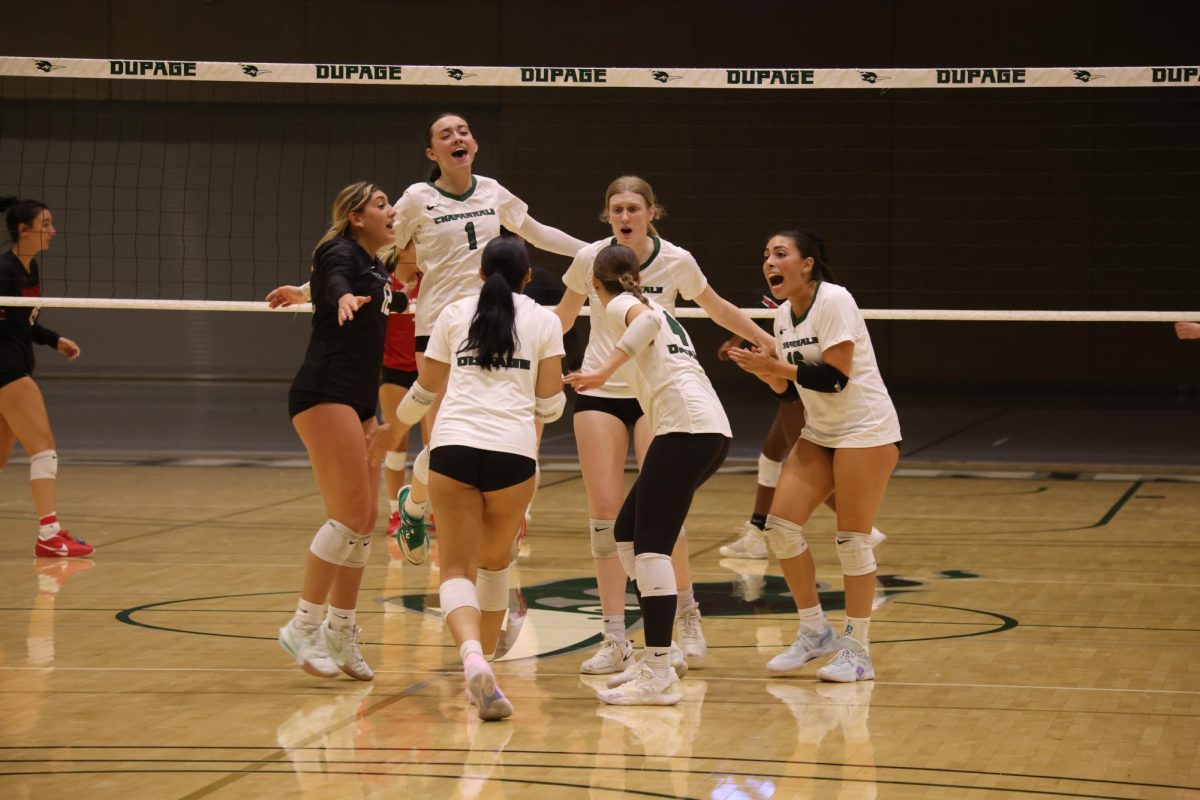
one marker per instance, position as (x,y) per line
(472,244)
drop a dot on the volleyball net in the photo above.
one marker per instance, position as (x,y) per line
(944,193)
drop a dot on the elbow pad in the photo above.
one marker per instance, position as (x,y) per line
(399,303)
(639,334)
(821,378)
(549,409)
(415,404)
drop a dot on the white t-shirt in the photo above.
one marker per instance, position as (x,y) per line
(667,380)
(669,273)
(450,232)
(492,409)
(862,414)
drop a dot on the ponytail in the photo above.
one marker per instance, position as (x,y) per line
(493,331)
(616,267)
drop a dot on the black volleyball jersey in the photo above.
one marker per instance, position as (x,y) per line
(19,329)
(343,361)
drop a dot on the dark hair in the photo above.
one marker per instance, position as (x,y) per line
(493,331)
(811,245)
(19,212)
(436,172)
(616,267)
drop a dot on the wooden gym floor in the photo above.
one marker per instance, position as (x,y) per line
(1036,637)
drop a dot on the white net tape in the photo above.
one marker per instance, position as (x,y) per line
(600,77)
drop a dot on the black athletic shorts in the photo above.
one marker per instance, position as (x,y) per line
(486,470)
(299,401)
(626,409)
(7,376)
(399,377)
(422,344)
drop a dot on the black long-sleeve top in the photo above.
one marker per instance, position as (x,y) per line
(19,328)
(343,361)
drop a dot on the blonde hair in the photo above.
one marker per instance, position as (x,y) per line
(349,200)
(638,186)
(616,267)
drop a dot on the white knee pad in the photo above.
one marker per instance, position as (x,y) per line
(43,466)
(603,543)
(360,554)
(491,589)
(768,472)
(421,466)
(395,461)
(785,537)
(457,593)
(655,575)
(333,542)
(855,552)
(628,560)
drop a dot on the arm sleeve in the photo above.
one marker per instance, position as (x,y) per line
(337,269)
(578,277)
(838,321)
(552,240)
(408,218)
(439,347)
(513,212)
(43,335)
(689,278)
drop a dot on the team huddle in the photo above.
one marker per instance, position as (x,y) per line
(484,363)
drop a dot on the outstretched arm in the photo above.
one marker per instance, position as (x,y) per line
(544,237)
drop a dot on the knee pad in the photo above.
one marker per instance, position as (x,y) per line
(43,466)
(457,593)
(360,554)
(628,559)
(785,537)
(421,466)
(855,552)
(655,575)
(333,542)
(491,589)
(604,543)
(395,461)
(768,472)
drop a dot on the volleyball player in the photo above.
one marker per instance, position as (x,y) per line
(691,438)
(497,361)
(22,409)
(604,414)
(848,446)
(449,219)
(332,405)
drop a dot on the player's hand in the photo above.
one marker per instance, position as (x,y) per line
(68,348)
(766,341)
(348,304)
(285,296)
(727,345)
(758,362)
(583,381)
(1187,330)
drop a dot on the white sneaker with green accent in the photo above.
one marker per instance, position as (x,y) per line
(343,651)
(691,636)
(852,663)
(751,544)
(643,690)
(807,646)
(614,655)
(307,646)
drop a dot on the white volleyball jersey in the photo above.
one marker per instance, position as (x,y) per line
(450,232)
(667,380)
(492,409)
(862,414)
(669,273)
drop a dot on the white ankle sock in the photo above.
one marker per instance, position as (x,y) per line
(859,629)
(812,619)
(341,619)
(659,660)
(308,615)
(414,510)
(615,626)
(686,601)
(468,647)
